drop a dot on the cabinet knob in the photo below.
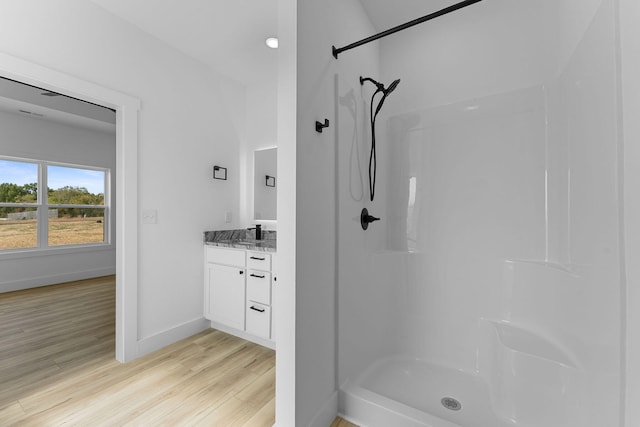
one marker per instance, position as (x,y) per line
(241,272)
(275,279)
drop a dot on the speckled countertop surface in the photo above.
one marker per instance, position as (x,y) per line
(241,239)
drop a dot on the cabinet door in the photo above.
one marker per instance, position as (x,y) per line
(227,295)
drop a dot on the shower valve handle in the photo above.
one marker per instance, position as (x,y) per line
(366,219)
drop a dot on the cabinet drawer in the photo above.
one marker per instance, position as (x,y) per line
(226,256)
(259,320)
(259,286)
(259,261)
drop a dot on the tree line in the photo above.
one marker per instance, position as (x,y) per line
(67,195)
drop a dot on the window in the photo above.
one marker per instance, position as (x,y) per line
(74,210)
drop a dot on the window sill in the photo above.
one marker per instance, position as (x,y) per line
(62,250)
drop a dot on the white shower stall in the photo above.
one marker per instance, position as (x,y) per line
(489,294)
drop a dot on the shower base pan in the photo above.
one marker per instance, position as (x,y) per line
(412,393)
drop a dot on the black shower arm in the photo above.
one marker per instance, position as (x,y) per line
(380,89)
(380,86)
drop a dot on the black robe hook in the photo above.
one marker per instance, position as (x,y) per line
(320,126)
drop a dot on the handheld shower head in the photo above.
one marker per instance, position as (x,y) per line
(385,93)
(380,86)
(391,87)
(372,157)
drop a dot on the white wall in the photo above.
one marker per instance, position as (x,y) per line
(362,320)
(185,127)
(487,48)
(261,128)
(306,341)
(39,139)
(629,16)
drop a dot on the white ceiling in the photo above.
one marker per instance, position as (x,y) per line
(227,35)
(29,101)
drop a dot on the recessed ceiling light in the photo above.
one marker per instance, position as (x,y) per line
(272,42)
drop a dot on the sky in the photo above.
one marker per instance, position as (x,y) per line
(21,173)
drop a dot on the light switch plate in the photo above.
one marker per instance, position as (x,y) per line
(150,216)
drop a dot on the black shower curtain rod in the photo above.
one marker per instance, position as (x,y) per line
(337,51)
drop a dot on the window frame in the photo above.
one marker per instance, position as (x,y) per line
(42,207)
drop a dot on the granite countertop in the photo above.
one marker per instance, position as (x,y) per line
(241,239)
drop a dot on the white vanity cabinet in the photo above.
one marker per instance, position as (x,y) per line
(238,285)
(258,314)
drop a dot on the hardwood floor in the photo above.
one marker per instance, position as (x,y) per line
(339,422)
(57,367)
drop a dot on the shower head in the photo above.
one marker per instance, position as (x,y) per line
(380,86)
(385,93)
(391,87)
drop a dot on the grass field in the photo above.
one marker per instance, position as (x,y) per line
(62,231)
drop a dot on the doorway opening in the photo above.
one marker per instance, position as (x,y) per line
(126,212)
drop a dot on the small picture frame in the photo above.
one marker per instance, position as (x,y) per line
(270,181)
(219,173)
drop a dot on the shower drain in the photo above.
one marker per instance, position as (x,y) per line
(451,403)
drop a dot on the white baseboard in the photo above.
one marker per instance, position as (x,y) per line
(36,282)
(244,335)
(327,413)
(172,335)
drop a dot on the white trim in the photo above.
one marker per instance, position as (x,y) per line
(327,413)
(54,250)
(244,335)
(42,205)
(627,16)
(172,335)
(18,285)
(126,183)
(285,292)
